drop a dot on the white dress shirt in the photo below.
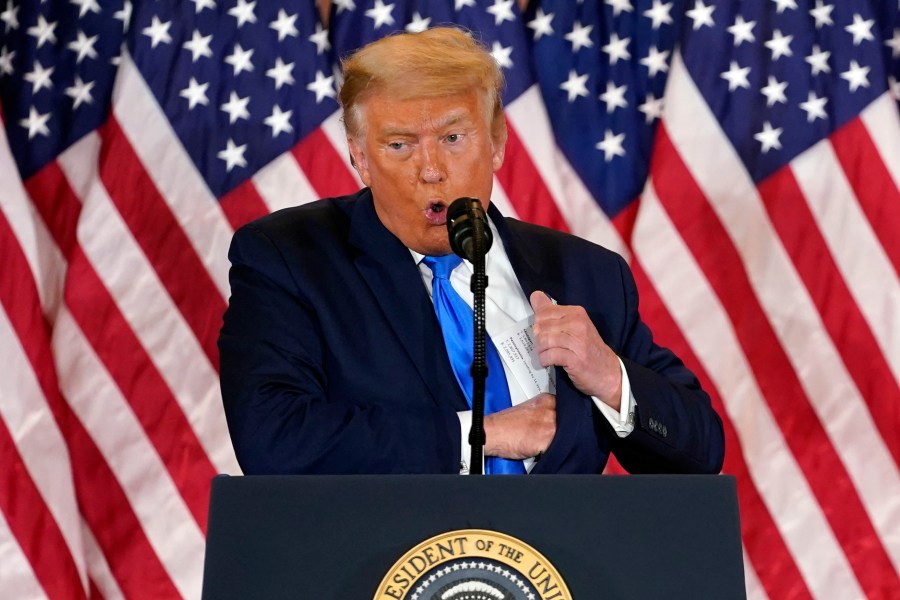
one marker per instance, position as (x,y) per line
(506,305)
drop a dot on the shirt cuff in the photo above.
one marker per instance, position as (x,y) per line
(622,420)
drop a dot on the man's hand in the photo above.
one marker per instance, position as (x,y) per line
(523,430)
(566,337)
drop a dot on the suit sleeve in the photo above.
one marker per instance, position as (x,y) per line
(676,429)
(281,412)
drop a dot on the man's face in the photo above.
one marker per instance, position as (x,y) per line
(420,155)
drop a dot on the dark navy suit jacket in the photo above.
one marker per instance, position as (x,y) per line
(332,359)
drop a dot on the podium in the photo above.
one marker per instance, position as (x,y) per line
(339,537)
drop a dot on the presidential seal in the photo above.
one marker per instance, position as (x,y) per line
(472,564)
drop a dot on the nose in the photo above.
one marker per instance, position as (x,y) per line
(432,169)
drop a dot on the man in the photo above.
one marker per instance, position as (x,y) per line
(332,358)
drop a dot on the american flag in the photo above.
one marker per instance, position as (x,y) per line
(744,156)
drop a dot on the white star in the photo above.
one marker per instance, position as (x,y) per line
(320,39)
(768,137)
(856,76)
(502,55)
(774,91)
(195,93)
(83,46)
(233,155)
(502,11)
(43,32)
(285,26)
(614,97)
(80,92)
(418,23)
(243,12)
(818,60)
(736,76)
(742,31)
(894,44)
(822,13)
(460,4)
(279,121)
(85,6)
(158,32)
(124,15)
(861,30)
(619,6)
(236,107)
(611,145)
(198,46)
(6,58)
(322,86)
(36,123)
(541,24)
(783,4)
(702,15)
(780,45)
(39,77)
(201,4)
(894,87)
(281,73)
(814,107)
(240,59)
(617,48)
(659,13)
(575,85)
(652,108)
(580,36)
(381,14)
(656,61)
(10,16)
(343,5)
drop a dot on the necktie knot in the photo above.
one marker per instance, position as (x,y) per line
(442,266)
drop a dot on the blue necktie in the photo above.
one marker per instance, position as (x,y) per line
(456,319)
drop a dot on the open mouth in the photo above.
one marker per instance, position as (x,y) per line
(436,213)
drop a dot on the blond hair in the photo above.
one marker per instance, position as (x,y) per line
(435,62)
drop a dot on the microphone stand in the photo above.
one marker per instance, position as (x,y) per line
(477,284)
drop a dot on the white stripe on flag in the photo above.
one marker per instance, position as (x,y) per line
(752,584)
(19,580)
(39,441)
(172,170)
(780,482)
(100,572)
(862,261)
(883,124)
(145,304)
(98,404)
(282,184)
(333,128)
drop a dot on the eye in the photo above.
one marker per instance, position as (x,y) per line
(396,145)
(454,137)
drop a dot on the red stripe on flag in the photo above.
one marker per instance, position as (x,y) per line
(100,498)
(797,228)
(525,188)
(771,558)
(152,402)
(709,243)
(27,513)
(872,184)
(242,205)
(625,220)
(323,167)
(161,239)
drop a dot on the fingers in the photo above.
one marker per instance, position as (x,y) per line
(521,431)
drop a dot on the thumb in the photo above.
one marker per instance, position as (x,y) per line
(540,300)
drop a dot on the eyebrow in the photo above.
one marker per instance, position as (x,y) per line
(449,120)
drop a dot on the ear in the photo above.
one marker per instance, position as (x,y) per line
(359,160)
(498,139)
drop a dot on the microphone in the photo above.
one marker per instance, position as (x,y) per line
(462,216)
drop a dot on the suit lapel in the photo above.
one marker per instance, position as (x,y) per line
(390,272)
